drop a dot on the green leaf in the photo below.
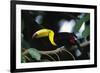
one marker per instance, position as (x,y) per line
(34,53)
(86,32)
(23,60)
(80,22)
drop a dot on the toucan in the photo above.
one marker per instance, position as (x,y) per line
(57,39)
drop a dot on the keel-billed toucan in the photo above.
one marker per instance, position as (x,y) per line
(57,39)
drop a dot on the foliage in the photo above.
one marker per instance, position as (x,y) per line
(79,23)
(32,54)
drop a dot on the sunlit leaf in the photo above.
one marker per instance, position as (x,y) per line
(80,22)
(34,53)
(86,32)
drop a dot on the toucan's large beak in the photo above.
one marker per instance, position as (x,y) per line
(41,33)
(45,33)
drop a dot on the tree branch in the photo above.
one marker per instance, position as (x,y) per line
(60,49)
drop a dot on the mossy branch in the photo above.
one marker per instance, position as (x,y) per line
(58,50)
(62,48)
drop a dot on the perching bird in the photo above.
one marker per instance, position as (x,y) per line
(57,39)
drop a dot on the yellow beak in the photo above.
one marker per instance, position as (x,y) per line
(45,33)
